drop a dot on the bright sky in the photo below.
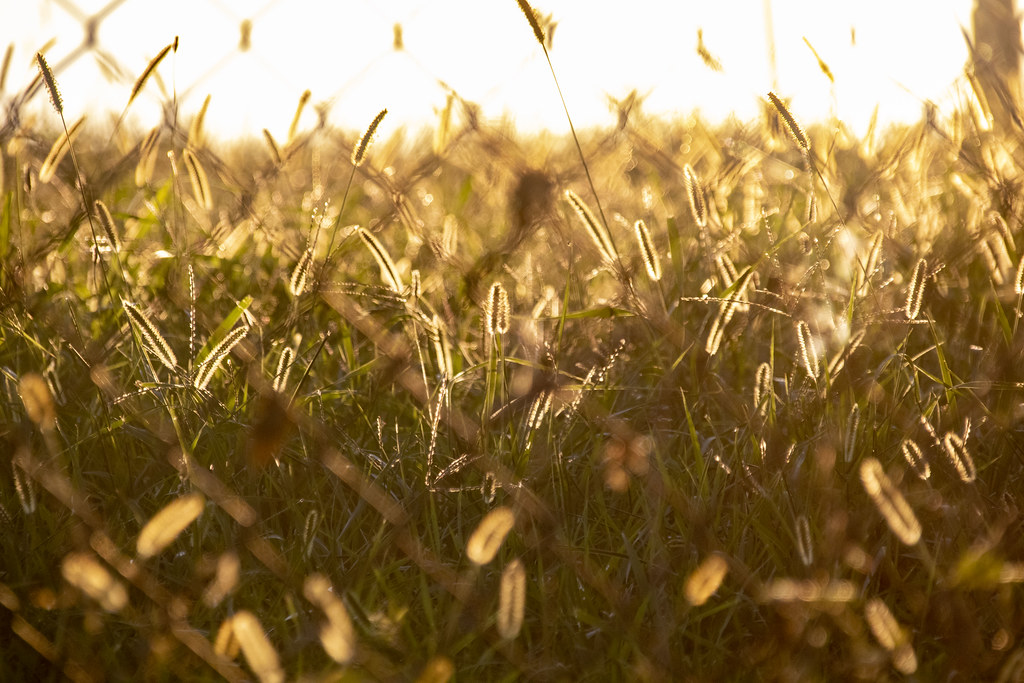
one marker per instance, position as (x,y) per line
(893,53)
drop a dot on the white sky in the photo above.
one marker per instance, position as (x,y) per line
(905,52)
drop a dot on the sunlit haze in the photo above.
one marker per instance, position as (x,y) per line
(895,55)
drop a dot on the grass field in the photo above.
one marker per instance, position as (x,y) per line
(322,409)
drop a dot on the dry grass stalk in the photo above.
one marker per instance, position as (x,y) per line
(531,16)
(650,255)
(442,349)
(890,502)
(695,194)
(931,431)
(195,130)
(59,150)
(197,177)
(915,458)
(732,302)
(259,653)
(870,265)
(275,151)
(294,127)
(359,152)
(598,233)
(961,458)
(84,572)
(497,312)
(337,634)
(6,66)
(38,401)
(710,61)
(443,130)
(792,127)
(489,534)
(705,580)
(804,544)
(415,286)
(1018,280)
(511,600)
(890,635)
(147,158)
(388,271)
(206,369)
(165,526)
(108,225)
(915,291)
(839,360)
(155,341)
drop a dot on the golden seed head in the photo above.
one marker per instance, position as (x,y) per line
(38,401)
(511,600)
(51,83)
(650,255)
(792,127)
(695,193)
(890,502)
(165,526)
(705,580)
(361,148)
(531,16)
(915,292)
(489,534)
(497,313)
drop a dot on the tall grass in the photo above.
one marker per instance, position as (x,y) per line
(770,442)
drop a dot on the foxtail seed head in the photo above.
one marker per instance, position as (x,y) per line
(915,292)
(511,600)
(650,255)
(51,83)
(300,276)
(259,653)
(489,534)
(705,580)
(151,335)
(531,16)
(598,233)
(86,573)
(38,401)
(695,193)
(107,223)
(497,310)
(165,526)
(359,152)
(792,127)
(915,458)
(213,361)
(890,502)
(150,68)
(961,458)
(388,271)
